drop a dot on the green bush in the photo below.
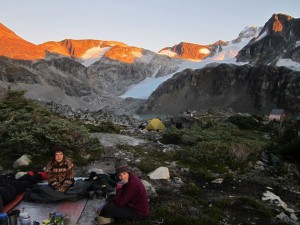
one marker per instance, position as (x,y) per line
(290,151)
(244,122)
(28,128)
(182,137)
(172,136)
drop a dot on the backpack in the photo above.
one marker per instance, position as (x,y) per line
(101,184)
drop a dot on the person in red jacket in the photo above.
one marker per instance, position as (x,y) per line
(131,199)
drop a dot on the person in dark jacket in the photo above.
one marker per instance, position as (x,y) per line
(60,171)
(131,199)
(10,188)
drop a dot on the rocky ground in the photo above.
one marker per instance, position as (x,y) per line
(278,192)
(104,165)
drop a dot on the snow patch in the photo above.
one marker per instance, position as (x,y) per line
(297,44)
(204,51)
(168,53)
(137,54)
(264,34)
(289,64)
(144,89)
(250,32)
(93,54)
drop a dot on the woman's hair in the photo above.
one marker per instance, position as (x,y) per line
(57,148)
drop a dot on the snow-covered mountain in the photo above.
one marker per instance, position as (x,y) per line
(224,54)
(93,73)
(255,84)
(228,53)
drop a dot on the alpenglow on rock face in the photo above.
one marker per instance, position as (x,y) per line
(191,51)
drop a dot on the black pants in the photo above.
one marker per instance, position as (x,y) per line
(111,210)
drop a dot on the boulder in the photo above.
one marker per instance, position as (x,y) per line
(24,160)
(160,173)
(149,188)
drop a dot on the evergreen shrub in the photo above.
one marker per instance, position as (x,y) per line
(28,128)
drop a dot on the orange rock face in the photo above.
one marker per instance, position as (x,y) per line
(189,51)
(54,47)
(280,21)
(124,54)
(12,46)
(76,48)
(277,25)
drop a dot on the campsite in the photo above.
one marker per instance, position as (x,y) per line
(149,112)
(223,168)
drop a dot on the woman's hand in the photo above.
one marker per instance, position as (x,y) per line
(121,183)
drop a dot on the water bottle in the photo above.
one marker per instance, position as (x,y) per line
(24,218)
(3,219)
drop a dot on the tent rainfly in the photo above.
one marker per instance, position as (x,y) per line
(155,124)
(277,115)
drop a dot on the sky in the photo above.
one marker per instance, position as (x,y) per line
(149,24)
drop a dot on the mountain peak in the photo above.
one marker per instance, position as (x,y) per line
(12,46)
(278,22)
(276,41)
(126,54)
(7,33)
(187,50)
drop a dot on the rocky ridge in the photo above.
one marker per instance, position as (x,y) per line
(68,82)
(255,90)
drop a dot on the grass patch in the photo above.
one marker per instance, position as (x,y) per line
(191,189)
(218,148)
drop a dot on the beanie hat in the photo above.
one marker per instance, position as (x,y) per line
(121,166)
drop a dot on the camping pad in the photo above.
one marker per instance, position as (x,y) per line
(13,203)
(40,211)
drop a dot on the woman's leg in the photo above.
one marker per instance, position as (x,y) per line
(111,210)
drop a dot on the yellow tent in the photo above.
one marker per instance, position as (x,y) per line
(155,124)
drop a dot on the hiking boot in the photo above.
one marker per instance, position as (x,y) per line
(103,220)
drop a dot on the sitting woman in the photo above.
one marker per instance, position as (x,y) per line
(60,171)
(61,184)
(130,201)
